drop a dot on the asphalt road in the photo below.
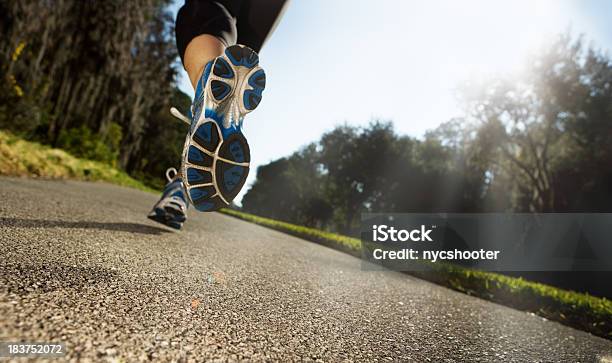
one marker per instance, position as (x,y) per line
(82,265)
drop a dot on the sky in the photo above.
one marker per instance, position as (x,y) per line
(331,62)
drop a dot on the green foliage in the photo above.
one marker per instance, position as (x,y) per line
(352,170)
(297,179)
(69,82)
(541,134)
(164,137)
(24,158)
(82,142)
(583,311)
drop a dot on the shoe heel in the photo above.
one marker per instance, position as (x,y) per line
(240,72)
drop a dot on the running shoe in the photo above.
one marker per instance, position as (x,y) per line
(215,161)
(171,208)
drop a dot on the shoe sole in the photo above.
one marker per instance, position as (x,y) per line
(216,154)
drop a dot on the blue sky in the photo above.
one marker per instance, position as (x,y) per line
(336,61)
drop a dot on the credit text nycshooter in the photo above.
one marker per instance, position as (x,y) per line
(410,254)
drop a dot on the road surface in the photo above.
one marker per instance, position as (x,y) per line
(82,265)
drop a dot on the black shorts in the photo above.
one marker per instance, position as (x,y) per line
(247,22)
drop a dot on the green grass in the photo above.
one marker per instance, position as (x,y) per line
(589,313)
(23,158)
(582,311)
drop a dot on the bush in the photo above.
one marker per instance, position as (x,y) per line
(82,142)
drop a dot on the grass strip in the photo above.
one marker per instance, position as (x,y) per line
(24,158)
(578,310)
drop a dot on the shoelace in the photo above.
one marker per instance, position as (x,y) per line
(176,113)
(231,119)
(171,173)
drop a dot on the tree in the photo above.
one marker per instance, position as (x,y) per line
(356,162)
(540,120)
(65,74)
(352,170)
